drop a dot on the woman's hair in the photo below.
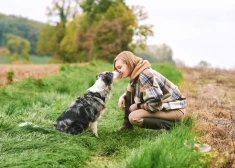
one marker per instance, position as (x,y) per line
(128,58)
(135,64)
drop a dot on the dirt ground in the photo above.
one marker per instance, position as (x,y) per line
(210,97)
(22,71)
(211,100)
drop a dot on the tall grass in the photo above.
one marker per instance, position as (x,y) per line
(170,149)
(41,101)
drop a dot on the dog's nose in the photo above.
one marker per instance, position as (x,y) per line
(116,74)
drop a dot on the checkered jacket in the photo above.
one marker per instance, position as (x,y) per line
(156,93)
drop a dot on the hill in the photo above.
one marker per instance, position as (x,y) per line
(20,26)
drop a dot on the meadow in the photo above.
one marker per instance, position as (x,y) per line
(40,101)
(34,59)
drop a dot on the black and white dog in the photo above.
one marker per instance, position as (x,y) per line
(85,111)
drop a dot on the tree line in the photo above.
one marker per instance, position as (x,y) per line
(19,26)
(85,30)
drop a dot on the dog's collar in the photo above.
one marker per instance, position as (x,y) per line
(83,101)
(94,94)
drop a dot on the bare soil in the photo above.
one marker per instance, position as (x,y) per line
(210,96)
(22,71)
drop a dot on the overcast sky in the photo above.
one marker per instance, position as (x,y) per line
(196,30)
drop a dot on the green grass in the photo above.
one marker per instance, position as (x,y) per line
(4,60)
(33,59)
(169,71)
(41,101)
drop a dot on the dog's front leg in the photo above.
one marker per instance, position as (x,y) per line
(93,126)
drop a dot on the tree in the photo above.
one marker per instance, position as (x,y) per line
(113,33)
(203,64)
(157,53)
(19,26)
(106,28)
(141,31)
(47,41)
(69,43)
(66,10)
(112,26)
(4,51)
(18,46)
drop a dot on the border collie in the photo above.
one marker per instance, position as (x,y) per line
(85,111)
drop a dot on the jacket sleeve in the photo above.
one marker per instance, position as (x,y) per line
(151,93)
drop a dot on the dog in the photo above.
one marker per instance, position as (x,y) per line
(85,111)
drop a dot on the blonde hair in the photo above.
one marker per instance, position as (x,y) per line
(128,58)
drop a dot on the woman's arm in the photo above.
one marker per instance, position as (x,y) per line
(121,102)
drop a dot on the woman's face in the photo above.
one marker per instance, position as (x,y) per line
(122,68)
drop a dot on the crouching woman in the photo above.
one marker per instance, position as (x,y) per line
(151,101)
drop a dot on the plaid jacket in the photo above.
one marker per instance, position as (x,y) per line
(156,93)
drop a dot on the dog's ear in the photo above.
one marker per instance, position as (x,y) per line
(98,75)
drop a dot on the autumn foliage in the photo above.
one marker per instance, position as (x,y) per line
(102,30)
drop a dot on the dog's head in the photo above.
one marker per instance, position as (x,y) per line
(103,84)
(107,77)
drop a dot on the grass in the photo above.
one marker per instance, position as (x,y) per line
(4,60)
(34,59)
(41,101)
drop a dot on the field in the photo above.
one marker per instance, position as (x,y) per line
(211,99)
(211,103)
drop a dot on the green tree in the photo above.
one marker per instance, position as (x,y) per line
(157,53)
(19,26)
(47,41)
(66,10)
(4,51)
(114,33)
(203,64)
(112,27)
(69,43)
(105,28)
(18,46)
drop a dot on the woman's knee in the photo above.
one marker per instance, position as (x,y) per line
(180,114)
(135,119)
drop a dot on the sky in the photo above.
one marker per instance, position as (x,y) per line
(196,30)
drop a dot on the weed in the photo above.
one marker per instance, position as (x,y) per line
(10,76)
(39,82)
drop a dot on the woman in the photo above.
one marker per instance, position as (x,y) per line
(151,100)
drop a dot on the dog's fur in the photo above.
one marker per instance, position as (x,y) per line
(85,111)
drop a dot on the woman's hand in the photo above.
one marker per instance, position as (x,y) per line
(121,103)
(133,107)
